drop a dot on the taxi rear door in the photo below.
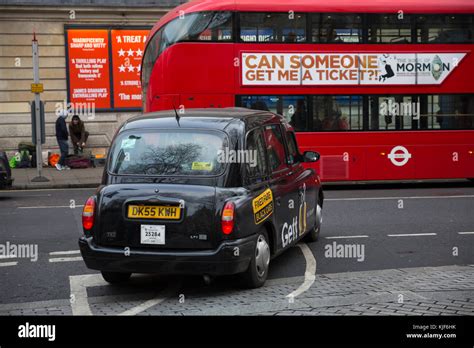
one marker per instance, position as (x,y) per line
(281,186)
(304,194)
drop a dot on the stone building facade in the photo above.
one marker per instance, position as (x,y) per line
(18,21)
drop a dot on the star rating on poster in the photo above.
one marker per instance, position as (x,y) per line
(130,53)
(130,68)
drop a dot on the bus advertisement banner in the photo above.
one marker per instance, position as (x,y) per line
(266,69)
(88,67)
(127,53)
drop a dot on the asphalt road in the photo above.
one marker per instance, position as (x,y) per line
(392,226)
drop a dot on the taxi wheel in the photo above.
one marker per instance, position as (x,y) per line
(115,277)
(257,273)
(313,235)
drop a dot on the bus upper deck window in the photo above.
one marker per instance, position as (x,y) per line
(336,28)
(445,28)
(389,28)
(273,27)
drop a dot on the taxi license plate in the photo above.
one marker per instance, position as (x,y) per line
(162,212)
(152,234)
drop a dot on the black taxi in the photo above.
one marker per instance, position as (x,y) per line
(210,192)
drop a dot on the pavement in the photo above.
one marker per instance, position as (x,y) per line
(411,252)
(447,290)
(84,177)
(91,177)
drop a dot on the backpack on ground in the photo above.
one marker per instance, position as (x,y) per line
(25,161)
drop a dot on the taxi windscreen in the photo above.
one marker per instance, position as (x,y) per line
(167,153)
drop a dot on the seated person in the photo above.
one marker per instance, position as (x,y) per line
(78,134)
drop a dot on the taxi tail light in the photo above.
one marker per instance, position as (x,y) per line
(88,214)
(227,220)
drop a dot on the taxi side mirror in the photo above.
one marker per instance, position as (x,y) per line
(311,156)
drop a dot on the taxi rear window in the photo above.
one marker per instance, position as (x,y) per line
(168,153)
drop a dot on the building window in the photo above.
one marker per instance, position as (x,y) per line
(272,27)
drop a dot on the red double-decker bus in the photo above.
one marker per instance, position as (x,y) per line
(383,90)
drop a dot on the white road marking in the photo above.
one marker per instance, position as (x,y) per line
(342,237)
(51,189)
(310,272)
(22,196)
(143,307)
(80,304)
(465,232)
(66,259)
(68,252)
(411,234)
(153,302)
(388,198)
(78,285)
(6,264)
(52,206)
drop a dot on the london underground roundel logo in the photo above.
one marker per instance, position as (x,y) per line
(399,156)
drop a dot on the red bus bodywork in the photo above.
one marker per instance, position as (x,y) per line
(204,75)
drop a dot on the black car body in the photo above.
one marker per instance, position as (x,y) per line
(5,172)
(173,200)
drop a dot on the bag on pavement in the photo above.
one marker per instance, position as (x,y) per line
(53,159)
(13,162)
(25,161)
(26,145)
(77,161)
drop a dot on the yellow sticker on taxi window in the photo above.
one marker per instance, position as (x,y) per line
(262,206)
(202,166)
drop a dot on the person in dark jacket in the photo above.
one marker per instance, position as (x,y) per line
(78,134)
(62,138)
